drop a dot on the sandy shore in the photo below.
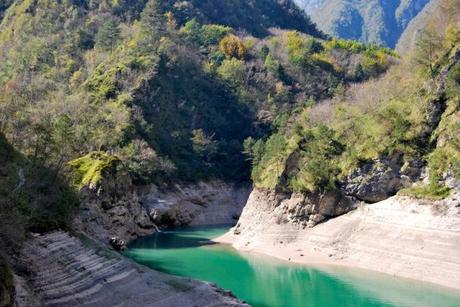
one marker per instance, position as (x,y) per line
(400,236)
(292,252)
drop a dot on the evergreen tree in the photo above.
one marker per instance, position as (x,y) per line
(108,35)
(359,74)
(271,64)
(152,20)
(264,51)
(427,49)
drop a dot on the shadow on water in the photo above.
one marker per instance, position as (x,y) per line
(183,237)
(267,282)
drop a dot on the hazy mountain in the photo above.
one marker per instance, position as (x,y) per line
(413,30)
(371,21)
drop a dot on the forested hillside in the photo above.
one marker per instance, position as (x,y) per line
(156,90)
(378,130)
(118,77)
(376,21)
(255,17)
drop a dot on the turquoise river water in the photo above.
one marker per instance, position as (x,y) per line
(269,282)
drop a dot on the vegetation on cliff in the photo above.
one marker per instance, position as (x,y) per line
(32,196)
(157,86)
(323,143)
(180,92)
(165,92)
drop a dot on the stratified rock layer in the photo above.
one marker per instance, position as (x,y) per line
(204,203)
(118,208)
(68,271)
(400,236)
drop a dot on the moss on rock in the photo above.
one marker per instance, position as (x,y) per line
(431,192)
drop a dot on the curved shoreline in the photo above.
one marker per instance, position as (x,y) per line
(399,237)
(315,259)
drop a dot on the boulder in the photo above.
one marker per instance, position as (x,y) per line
(118,244)
(380,179)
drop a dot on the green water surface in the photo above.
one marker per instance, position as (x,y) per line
(265,281)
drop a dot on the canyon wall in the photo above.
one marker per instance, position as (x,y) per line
(400,236)
(118,208)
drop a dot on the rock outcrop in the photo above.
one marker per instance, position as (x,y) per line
(196,204)
(113,209)
(69,271)
(303,210)
(117,208)
(400,236)
(377,180)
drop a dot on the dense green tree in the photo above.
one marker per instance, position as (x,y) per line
(272,65)
(359,74)
(204,145)
(108,35)
(212,34)
(427,50)
(63,136)
(192,29)
(85,40)
(254,150)
(319,149)
(152,20)
(232,71)
(264,51)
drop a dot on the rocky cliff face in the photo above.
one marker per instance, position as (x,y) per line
(112,209)
(400,236)
(371,182)
(196,204)
(271,207)
(116,207)
(59,269)
(412,32)
(377,180)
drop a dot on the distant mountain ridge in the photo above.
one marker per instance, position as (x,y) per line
(371,21)
(252,16)
(413,30)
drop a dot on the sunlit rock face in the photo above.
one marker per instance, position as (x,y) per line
(401,236)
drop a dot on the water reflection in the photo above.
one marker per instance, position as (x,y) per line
(265,281)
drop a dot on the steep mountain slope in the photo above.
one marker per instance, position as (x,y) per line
(377,21)
(412,33)
(163,92)
(153,96)
(374,139)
